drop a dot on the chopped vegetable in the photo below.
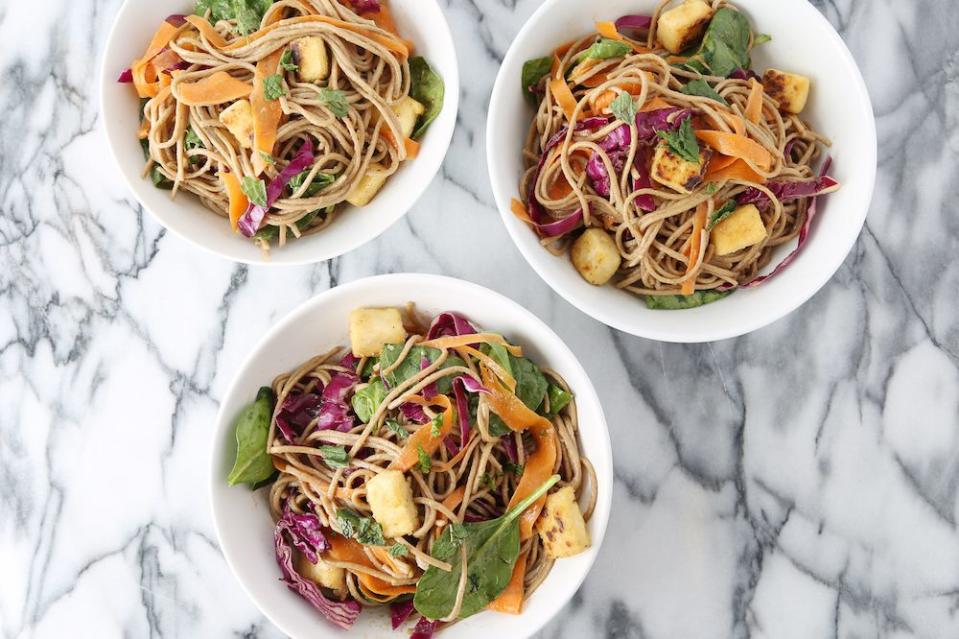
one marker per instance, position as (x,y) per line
(217,88)
(695,246)
(253,463)
(702,88)
(533,73)
(738,146)
(721,214)
(683,141)
(238,199)
(364,529)
(604,49)
(335,100)
(427,88)
(680,302)
(253,218)
(273,89)
(725,45)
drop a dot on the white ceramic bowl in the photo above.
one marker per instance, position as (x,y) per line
(242,518)
(421,21)
(839,107)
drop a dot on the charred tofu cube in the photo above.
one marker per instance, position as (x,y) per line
(790,90)
(371,328)
(561,525)
(391,501)
(595,256)
(238,120)
(681,26)
(675,172)
(743,228)
(408,112)
(368,186)
(310,55)
(322,574)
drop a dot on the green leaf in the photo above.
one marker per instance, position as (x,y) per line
(335,100)
(683,141)
(515,469)
(712,188)
(492,548)
(368,367)
(286,61)
(365,530)
(435,426)
(701,88)
(682,302)
(530,383)
(558,399)
(247,13)
(410,365)
(533,72)
(604,49)
(219,9)
(398,550)
(427,88)
(725,45)
(335,456)
(254,189)
(267,157)
(761,38)
(273,87)
(320,181)
(401,433)
(192,141)
(425,463)
(253,463)
(721,214)
(366,400)
(624,108)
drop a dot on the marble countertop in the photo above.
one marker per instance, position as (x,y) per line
(798,482)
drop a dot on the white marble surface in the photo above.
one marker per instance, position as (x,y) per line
(799,482)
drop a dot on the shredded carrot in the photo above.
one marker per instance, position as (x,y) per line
(737,146)
(738,170)
(349,551)
(207,31)
(519,210)
(539,464)
(720,161)
(489,363)
(423,438)
(655,104)
(266,113)
(145,79)
(736,122)
(608,30)
(564,97)
(695,244)
(754,105)
(510,600)
(453,500)
(411,146)
(454,341)
(214,89)
(238,199)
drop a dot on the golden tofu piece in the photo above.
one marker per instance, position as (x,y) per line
(371,328)
(408,112)
(790,90)
(595,256)
(681,26)
(675,172)
(322,574)
(368,186)
(310,56)
(391,501)
(744,227)
(238,119)
(561,525)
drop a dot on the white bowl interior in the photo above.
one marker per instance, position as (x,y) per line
(839,107)
(242,517)
(421,21)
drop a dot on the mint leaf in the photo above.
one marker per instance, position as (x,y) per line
(335,100)
(435,426)
(683,141)
(702,89)
(425,463)
(320,181)
(335,456)
(398,550)
(273,87)
(365,530)
(721,214)
(401,433)
(624,108)
(254,189)
(287,62)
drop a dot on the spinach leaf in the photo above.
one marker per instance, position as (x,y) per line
(533,71)
(335,100)
(683,141)
(192,140)
(287,61)
(253,464)
(410,366)
(682,302)
(156,175)
(273,87)
(604,49)
(366,400)
(368,367)
(762,38)
(530,383)
(365,530)
(254,189)
(320,181)
(701,88)
(427,88)
(721,214)
(492,548)
(624,108)
(725,45)
(335,456)
(558,399)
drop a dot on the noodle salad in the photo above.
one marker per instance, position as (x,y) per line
(662,163)
(431,468)
(277,114)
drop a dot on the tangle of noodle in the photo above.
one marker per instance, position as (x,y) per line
(654,245)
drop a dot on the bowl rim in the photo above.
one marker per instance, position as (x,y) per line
(444,38)
(604,472)
(749,322)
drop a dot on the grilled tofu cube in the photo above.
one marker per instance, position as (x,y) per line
(368,186)
(371,328)
(681,26)
(238,119)
(595,256)
(561,525)
(322,574)
(790,90)
(675,172)
(309,53)
(408,112)
(391,500)
(744,227)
